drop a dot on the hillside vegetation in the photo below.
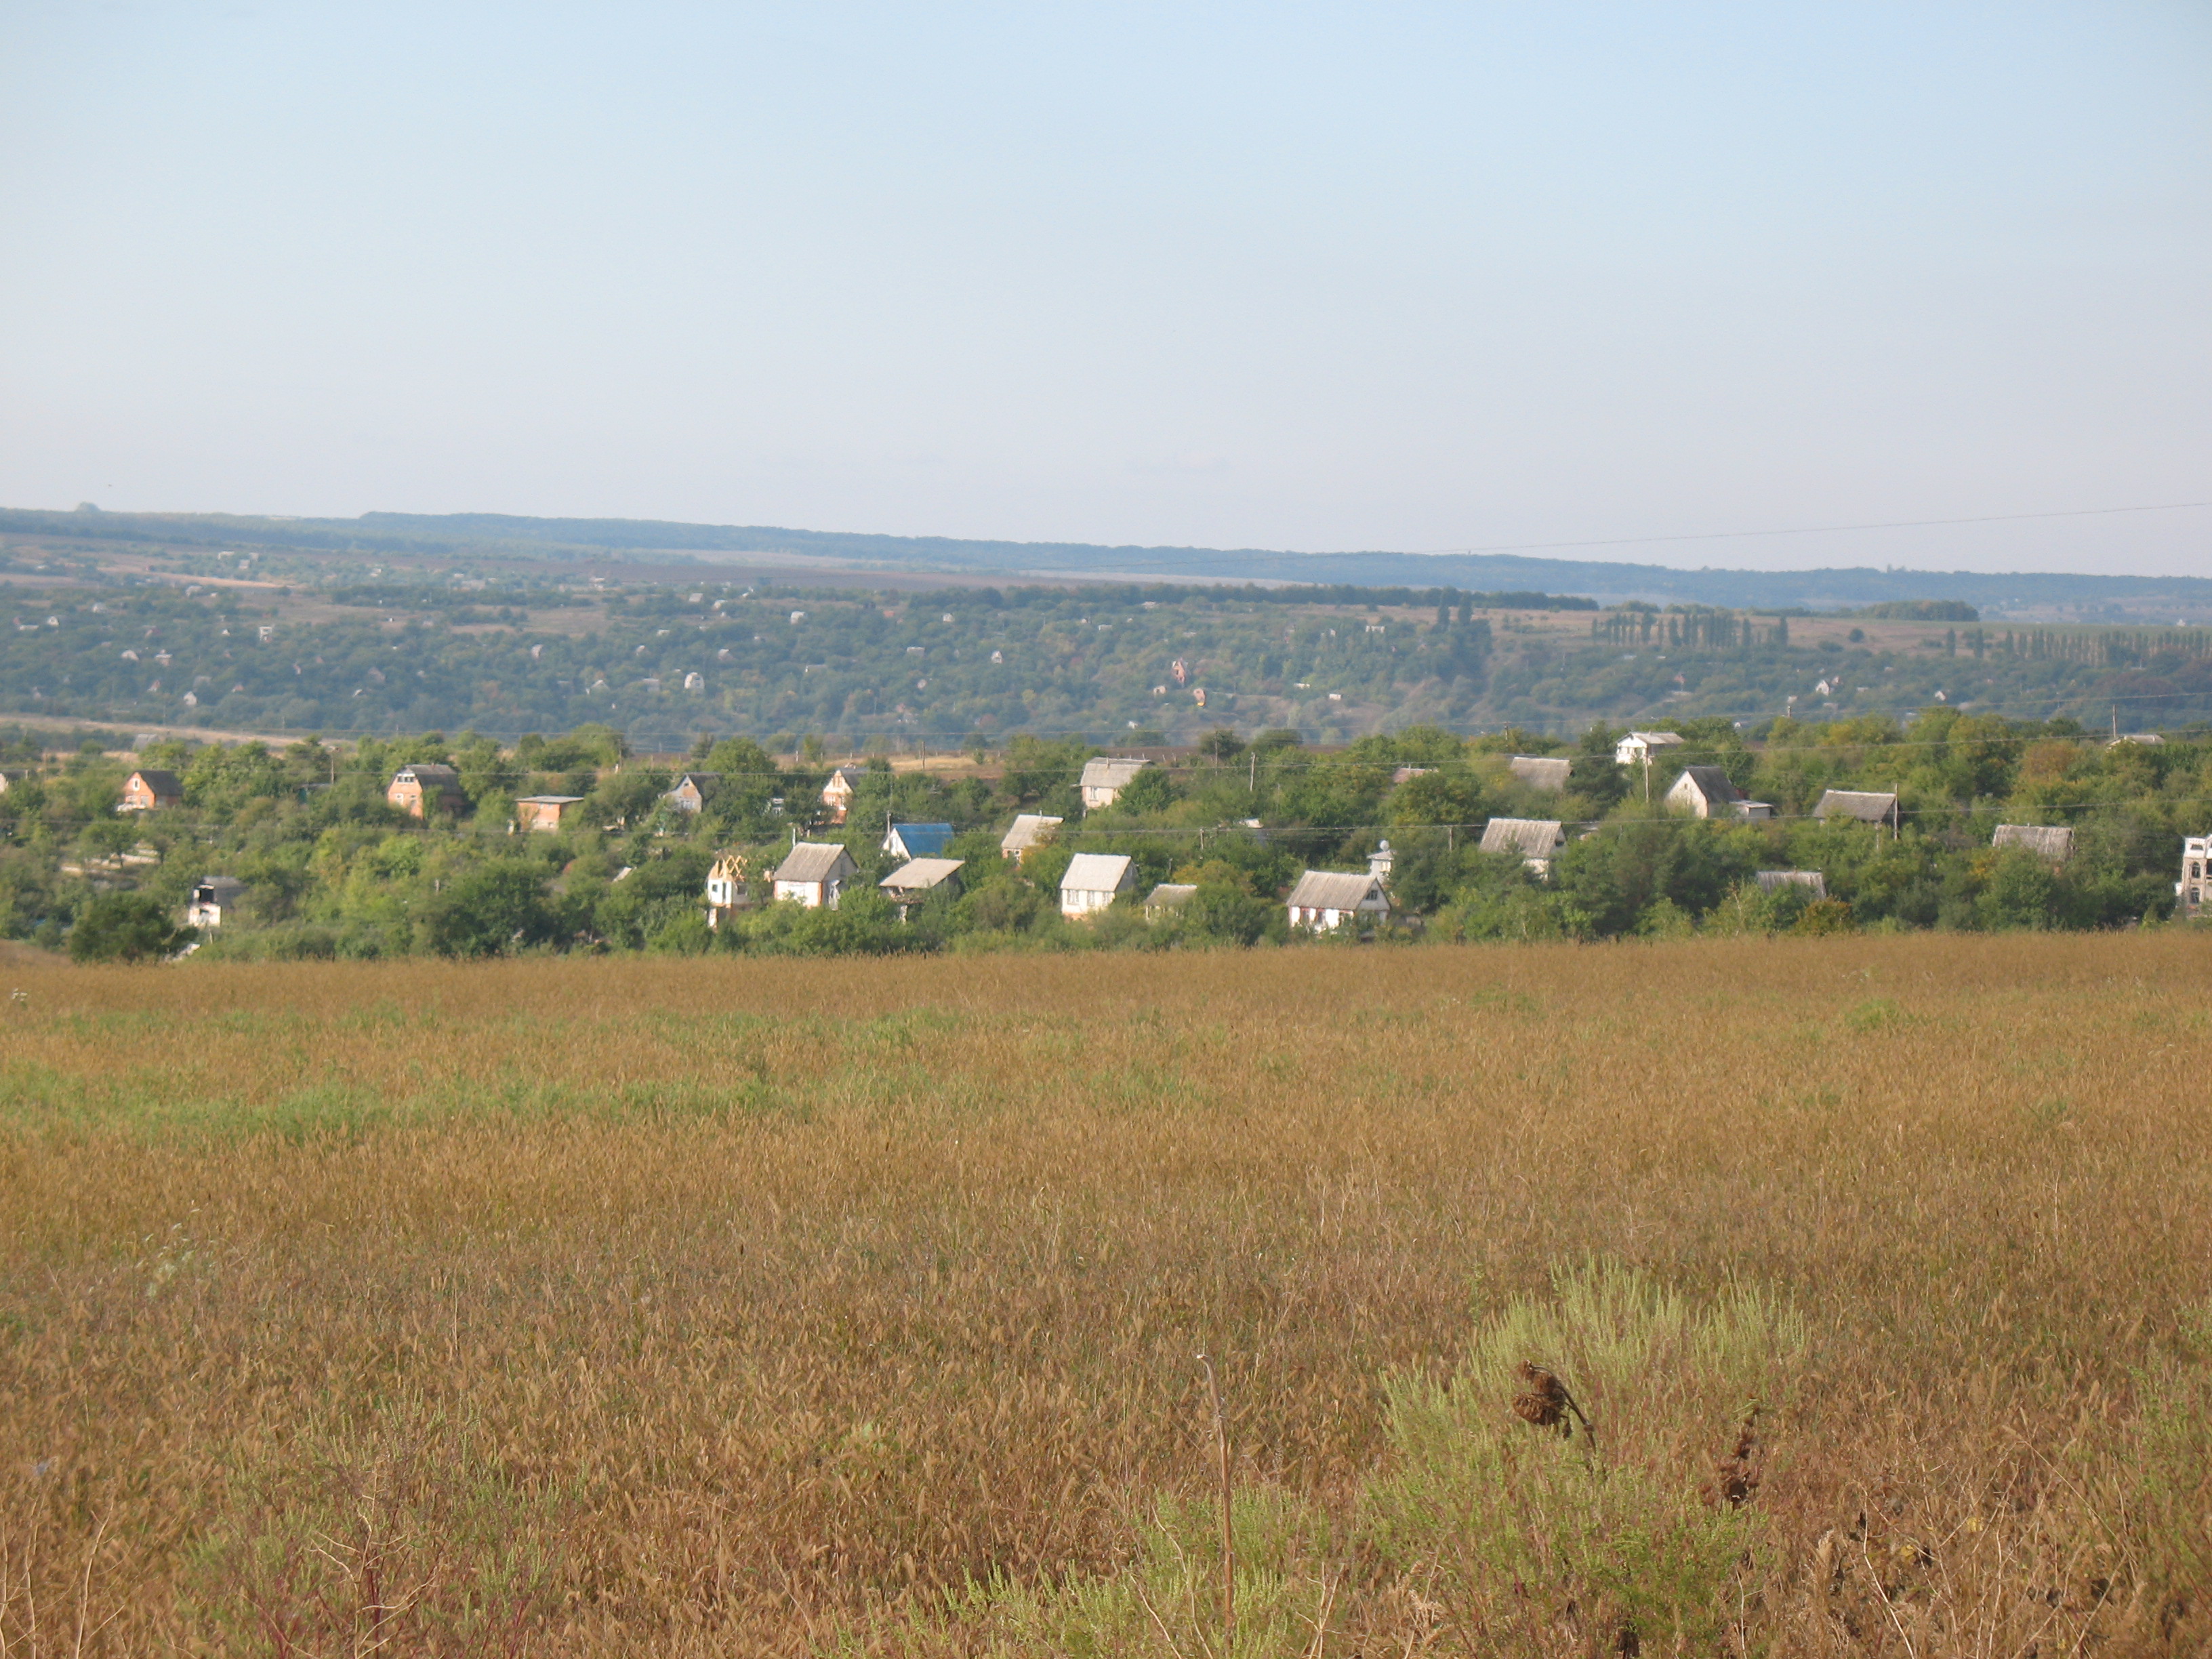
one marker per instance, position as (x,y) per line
(383,654)
(570,1307)
(332,869)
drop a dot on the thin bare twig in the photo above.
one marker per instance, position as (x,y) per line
(1228,1528)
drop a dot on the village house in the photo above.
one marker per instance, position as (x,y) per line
(2053,843)
(1325,900)
(1093,881)
(729,887)
(814,874)
(1031,831)
(1168,899)
(1703,790)
(1634,749)
(1773,881)
(693,791)
(423,789)
(150,789)
(1104,779)
(1867,805)
(2195,876)
(1545,772)
(917,878)
(544,812)
(917,841)
(215,899)
(1707,792)
(837,793)
(1538,841)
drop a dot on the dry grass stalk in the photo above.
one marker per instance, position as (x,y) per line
(1227,1493)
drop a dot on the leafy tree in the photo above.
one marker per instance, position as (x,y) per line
(492,909)
(127,927)
(1221,744)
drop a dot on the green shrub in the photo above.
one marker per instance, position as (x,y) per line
(1619,1532)
(125,928)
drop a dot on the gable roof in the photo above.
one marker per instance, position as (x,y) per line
(1867,805)
(159,781)
(221,889)
(919,840)
(1543,771)
(702,781)
(813,861)
(1108,771)
(1710,781)
(547,800)
(1533,838)
(1095,873)
(1336,890)
(428,772)
(1171,896)
(1030,830)
(1774,880)
(1655,739)
(919,875)
(2052,841)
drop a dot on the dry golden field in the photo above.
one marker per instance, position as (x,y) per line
(684,1307)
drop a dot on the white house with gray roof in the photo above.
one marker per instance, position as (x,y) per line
(1093,881)
(1538,841)
(814,873)
(1325,900)
(1105,777)
(1031,831)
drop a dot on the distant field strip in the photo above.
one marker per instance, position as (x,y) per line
(691,1306)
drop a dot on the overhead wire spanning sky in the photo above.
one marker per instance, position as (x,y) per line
(1382,277)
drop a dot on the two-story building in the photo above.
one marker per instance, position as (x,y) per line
(426,787)
(151,789)
(1104,778)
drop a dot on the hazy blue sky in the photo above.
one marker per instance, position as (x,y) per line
(1383,276)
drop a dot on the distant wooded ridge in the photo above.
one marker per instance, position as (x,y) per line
(485,534)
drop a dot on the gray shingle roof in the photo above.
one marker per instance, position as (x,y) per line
(1541,771)
(161,782)
(813,861)
(1771,881)
(919,875)
(1030,830)
(1334,890)
(1095,873)
(430,772)
(1105,772)
(2052,842)
(1867,805)
(1532,838)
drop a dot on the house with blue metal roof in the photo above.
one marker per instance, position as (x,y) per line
(917,841)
